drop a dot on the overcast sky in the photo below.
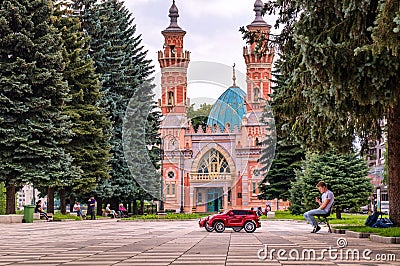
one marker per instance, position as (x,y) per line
(212,34)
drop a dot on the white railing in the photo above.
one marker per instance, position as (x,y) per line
(197,177)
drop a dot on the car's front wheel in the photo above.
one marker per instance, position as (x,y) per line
(249,227)
(219,227)
(208,228)
(237,229)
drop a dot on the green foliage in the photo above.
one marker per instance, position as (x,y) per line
(288,154)
(199,117)
(2,198)
(33,128)
(388,232)
(282,172)
(297,201)
(387,28)
(345,176)
(89,143)
(171,216)
(59,216)
(287,215)
(269,143)
(120,61)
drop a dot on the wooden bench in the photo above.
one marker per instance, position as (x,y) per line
(37,215)
(105,213)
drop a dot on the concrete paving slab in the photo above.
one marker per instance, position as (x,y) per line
(180,243)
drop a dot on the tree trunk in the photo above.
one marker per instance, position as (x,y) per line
(135,208)
(63,204)
(141,206)
(99,206)
(393,139)
(338,212)
(71,202)
(10,199)
(114,203)
(50,200)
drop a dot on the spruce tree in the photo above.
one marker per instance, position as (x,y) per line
(288,154)
(33,129)
(277,181)
(120,60)
(90,124)
(345,176)
(141,126)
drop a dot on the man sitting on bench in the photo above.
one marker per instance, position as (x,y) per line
(324,206)
(38,209)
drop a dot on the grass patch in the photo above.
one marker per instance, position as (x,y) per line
(352,222)
(347,219)
(285,215)
(59,217)
(391,232)
(172,216)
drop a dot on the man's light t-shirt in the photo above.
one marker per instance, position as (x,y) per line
(328,195)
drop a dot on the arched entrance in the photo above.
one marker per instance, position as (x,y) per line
(214,199)
(211,176)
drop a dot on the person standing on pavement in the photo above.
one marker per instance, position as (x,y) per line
(92,208)
(325,205)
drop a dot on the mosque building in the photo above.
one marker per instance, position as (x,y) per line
(206,171)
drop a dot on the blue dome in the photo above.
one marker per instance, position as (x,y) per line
(228,109)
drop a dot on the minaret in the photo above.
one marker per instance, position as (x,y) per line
(258,67)
(174,63)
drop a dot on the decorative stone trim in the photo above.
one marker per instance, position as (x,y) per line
(339,231)
(357,234)
(11,218)
(384,239)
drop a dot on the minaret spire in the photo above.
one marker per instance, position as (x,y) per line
(258,65)
(234,75)
(173,14)
(258,21)
(174,61)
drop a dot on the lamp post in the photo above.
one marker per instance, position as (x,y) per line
(161,207)
(182,155)
(161,200)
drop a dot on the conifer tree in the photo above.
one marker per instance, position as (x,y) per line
(269,143)
(90,124)
(278,180)
(33,129)
(140,129)
(120,60)
(345,176)
(288,154)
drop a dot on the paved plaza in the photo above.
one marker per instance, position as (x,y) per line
(112,242)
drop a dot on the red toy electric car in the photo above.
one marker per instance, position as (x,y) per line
(235,219)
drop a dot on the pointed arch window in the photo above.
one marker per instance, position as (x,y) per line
(171,98)
(256,96)
(213,162)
